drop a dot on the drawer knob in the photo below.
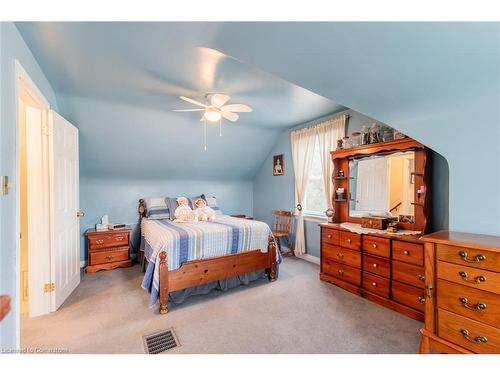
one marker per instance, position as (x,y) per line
(109,257)
(375,265)
(476,280)
(119,238)
(406,252)
(421,300)
(99,242)
(477,258)
(465,303)
(329,236)
(349,240)
(340,255)
(478,339)
(374,245)
(421,277)
(341,272)
(374,284)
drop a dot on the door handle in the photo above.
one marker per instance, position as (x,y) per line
(80,214)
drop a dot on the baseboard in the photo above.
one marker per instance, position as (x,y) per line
(309,258)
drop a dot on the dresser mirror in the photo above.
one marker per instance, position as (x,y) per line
(382,185)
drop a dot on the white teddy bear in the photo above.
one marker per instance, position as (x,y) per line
(183,213)
(202,212)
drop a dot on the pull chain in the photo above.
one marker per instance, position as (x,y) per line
(205,132)
(220,127)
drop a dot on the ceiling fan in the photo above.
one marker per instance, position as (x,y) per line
(215,109)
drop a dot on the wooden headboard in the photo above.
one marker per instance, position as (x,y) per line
(141,209)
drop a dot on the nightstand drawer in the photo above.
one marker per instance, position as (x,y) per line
(104,241)
(115,255)
(408,252)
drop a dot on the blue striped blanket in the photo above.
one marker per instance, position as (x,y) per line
(194,241)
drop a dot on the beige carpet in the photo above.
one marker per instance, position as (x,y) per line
(108,313)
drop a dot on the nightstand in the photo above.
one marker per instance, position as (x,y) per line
(108,249)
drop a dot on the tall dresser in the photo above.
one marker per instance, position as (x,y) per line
(462,309)
(384,268)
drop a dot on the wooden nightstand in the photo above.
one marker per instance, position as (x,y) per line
(108,249)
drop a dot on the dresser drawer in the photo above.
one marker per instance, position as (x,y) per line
(343,272)
(408,273)
(330,236)
(350,240)
(377,246)
(486,260)
(376,284)
(472,335)
(468,276)
(115,255)
(103,241)
(408,252)
(408,295)
(341,255)
(379,266)
(470,302)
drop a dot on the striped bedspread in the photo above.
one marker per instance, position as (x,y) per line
(194,241)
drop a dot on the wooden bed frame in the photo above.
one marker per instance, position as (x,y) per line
(199,272)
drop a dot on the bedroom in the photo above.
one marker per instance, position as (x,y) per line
(132,117)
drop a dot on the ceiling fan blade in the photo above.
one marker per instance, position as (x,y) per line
(189,110)
(192,101)
(230,116)
(236,108)
(218,100)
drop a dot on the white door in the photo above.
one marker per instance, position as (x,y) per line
(38,208)
(65,255)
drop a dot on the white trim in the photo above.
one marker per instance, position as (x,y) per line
(309,258)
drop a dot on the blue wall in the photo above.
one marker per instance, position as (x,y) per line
(12,48)
(273,192)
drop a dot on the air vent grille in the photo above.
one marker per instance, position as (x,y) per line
(161,341)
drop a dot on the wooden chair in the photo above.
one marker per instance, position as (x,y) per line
(282,227)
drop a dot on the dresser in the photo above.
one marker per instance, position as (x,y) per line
(384,268)
(108,249)
(462,309)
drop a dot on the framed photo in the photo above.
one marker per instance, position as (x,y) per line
(278,165)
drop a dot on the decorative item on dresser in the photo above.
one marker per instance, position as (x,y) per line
(383,266)
(108,249)
(462,309)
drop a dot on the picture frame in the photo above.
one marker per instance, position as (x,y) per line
(278,165)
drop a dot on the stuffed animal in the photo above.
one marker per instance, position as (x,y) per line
(202,212)
(183,213)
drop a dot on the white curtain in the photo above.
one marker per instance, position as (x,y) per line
(328,134)
(303,142)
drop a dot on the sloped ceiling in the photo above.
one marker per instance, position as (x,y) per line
(118,82)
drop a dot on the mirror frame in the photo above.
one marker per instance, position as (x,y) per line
(421,172)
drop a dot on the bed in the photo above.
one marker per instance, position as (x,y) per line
(187,256)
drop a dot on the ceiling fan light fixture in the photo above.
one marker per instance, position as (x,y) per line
(212,115)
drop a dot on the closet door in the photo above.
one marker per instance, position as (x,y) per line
(65,201)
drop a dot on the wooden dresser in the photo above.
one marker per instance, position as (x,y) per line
(108,249)
(463,293)
(383,268)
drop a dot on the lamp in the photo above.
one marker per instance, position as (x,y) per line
(212,114)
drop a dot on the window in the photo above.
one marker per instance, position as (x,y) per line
(315,192)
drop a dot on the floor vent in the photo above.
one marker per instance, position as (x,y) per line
(161,341)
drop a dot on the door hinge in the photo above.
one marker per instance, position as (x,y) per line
(49,287)
(47,130)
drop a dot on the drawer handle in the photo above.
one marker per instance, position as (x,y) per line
(478,339)
(119,238)
(349,240)
(477,280)
(477,258)
(329,236)
(374,284)
(406,252)
(478,306)
(99,242)
(374,245)
(341,272)
(421,277)
(340,255)
(421,300)
(375,265)
(109,257)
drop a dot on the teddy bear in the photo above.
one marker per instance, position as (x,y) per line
(202,212)
(183,213)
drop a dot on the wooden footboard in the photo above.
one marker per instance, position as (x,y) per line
(199,272)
